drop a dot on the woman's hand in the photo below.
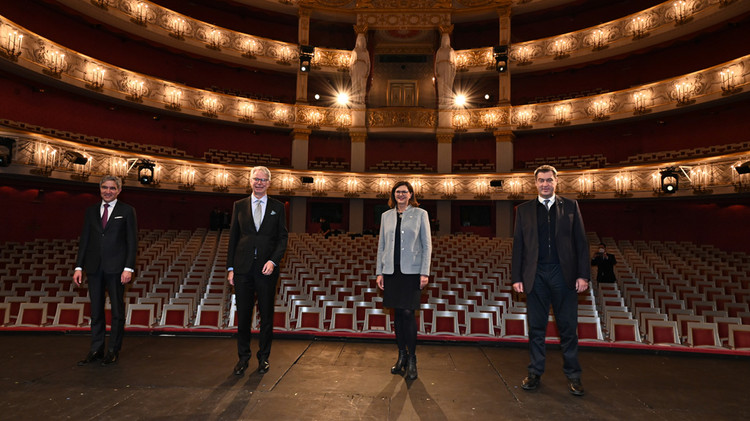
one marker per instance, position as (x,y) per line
(423,280)
(379,281)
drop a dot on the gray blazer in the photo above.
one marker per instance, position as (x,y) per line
(416,242)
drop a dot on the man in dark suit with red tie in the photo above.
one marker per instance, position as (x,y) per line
(106,251)
(551,265)
(257,243)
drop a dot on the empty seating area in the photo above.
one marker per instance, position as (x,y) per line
(98,141)
(328,163)
(401,166)
(687,153)
(677,295)
(570,162)
(216,156)
(474,165)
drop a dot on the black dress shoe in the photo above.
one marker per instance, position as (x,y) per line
(263,366)
(239,369)
(575,386)
(110,358)
(531,382)
(91,357)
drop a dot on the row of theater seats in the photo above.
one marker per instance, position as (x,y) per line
(687,153)
(401,166)
(474,165)
(328,163)
(217,156)
(569,162)
(680,295)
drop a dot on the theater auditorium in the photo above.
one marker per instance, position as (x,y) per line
(641,105)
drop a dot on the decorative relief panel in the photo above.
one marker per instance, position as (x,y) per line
(411,118)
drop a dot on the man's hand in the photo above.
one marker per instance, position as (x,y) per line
(126,276)
(518,287)
(230,277)
(78,277)
(268,268)
(581,285)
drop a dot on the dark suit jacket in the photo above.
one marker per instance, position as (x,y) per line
(113,248)
(570,238)
(244,239)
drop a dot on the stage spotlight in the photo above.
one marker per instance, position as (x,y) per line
(306,53)
(75,158)
(6,151)
(146,172)
(501,58)
(743,168)
(496,183)
(670,180)
(307,180)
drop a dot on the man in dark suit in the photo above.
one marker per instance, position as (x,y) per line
(257,243)
(605,264)
(551,265)
(106,251)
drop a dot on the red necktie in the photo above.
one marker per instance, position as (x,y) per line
(105,215)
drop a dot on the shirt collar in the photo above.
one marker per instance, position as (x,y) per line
(551,199)
(111,204)
(263,199)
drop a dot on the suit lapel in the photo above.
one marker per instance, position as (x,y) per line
(560,211)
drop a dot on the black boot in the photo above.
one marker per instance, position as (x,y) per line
(400,363)
(411,368)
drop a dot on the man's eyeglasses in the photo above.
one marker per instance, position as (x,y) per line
(260,180)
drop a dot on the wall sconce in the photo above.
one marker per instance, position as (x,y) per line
(449,189)
(683,92)
(524,118)
(250,47)
(682,11)
(700,178)
(561,48)
(639,26)
(383,188)
(139,13)
(599,109)
(342,62)
(351,187)
(460,121)
(11,44)
(187,177)
(221,180)
(586,185)
(45,158)
(118,167)
(94,77)
(640,101)
(515,188)
(599,38)
(136,89)
(562,114)
(103,4)
(461,62)
(280,116)
(622,184)
(524,55)
(489,59)
(285,56)
(173,98)
(728,77)
(287,184)
(481,189)
(246,111)
(211,106)
(319,186)
(315,118)
(417,185)
(490,120)
(178,27)
(56,63)
(343,120)
(214,39)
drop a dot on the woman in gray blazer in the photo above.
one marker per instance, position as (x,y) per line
(403,268)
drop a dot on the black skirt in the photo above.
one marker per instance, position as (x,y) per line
(401,290)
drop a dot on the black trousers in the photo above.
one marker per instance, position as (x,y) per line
(100,282)
(248,286)
(550,288)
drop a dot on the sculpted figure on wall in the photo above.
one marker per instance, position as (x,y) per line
(445,71)
(359,69)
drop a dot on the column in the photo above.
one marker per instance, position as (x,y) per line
(444,152)
(356,215)
(303,30)
(504,215)
(444,216)
(504,150)
(358,141)
(300,146)
(298,215)
(503,14)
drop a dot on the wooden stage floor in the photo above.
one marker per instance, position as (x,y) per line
(189,378)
